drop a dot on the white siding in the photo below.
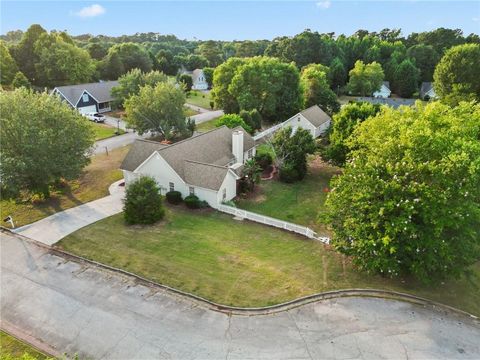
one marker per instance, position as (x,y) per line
(245,154)
(299,121)
(322,128)
(230,184)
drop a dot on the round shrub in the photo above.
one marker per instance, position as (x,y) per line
(174,197)
(264,160)
(192,202)
(289,174)
(143,202)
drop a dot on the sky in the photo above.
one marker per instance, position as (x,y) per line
(238,20)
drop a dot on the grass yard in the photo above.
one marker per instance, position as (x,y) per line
(189,112)
(92,184)
(239,262)
(199,98)
(103,131)
(207,125)
(11,348)
(299,202)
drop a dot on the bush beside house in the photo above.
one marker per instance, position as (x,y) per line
(143,202)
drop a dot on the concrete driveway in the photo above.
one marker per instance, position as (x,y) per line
(99,314)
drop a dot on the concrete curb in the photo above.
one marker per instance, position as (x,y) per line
(256,311)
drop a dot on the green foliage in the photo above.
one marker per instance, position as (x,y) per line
(50,146)
(143,202)
(457,75)
(365,79)
(192,62)
(251,173)
(408,202)
(289,174)
(316,90)
(166,62)
(174,197)
(425,58)
(263,159)
(268,85)
(122,58)
(187,82)
(21,80)
(344,123)
(208,72)
(24,53)
(222,77)
(158,109)
(291,150)
(406,79)
(192,202)
(130,83)
(337,73)
(252,118)
(8,67)
(232,121)
(212,52)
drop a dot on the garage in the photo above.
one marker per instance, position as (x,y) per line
(87,109)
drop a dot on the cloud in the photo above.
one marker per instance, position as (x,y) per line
(91,11)
(324,4)
(476,19)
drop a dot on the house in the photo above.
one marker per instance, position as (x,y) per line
(427,91)
(384,91)
(207,165)
(392,102)
(88,98)
(199,82)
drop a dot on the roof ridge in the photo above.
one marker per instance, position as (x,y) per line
(202,163)
(152,142)
(91,83)
(194,137)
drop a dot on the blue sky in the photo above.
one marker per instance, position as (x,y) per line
(230,20)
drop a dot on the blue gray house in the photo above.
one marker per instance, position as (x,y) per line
(88,98)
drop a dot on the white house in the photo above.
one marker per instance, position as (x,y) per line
(207,165)
(384,91)
(313,119)
(199,82)
(88,98)
(427,91)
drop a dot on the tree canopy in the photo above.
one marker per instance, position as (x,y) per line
(21,80)
(8,67)
(406,79)
(222,77)
(316,90)
(408,201)
(365,78)
(52,145)
(143,202)
(232,121)
(122,58)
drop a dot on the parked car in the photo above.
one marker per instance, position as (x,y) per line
(96,117)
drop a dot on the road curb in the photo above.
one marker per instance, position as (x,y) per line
(256,311)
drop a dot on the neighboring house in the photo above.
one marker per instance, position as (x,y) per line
(427,91)
(88,98)
(313,119)
(392,102)
(384,91)
(207,165)
(199,82)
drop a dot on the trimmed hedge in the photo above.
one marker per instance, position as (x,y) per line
(174,197)
(192,202)
(143,202)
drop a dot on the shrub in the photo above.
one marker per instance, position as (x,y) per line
(192,202)
(174,197)
(203,204)
(289,174)
(264,160)
(232,121)
(143,202)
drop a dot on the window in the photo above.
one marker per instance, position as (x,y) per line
(192,190)
(104,105)
(224,194)
(250,153)
(171,186)
(85,97)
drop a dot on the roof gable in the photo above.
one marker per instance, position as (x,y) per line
(100,91)
(315,115)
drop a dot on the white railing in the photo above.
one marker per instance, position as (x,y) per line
(269,131)
(299,229)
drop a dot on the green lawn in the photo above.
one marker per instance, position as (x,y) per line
(207,125)
(299,202)
(103,131)
(189,112)
(239,262)
(92,184)
(11,348)
(199,98)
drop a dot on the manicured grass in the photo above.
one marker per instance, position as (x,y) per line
(207,125)
(189,112)
(199,98)
(12,348)
(299,202)
(103,131)
(239,262)
(92,184)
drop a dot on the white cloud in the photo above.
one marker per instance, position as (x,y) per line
(476,19)
(324,4)
(91,11)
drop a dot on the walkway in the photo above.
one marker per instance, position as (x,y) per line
(55,227)
(99,314)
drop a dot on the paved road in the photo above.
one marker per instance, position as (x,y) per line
(101,315)
(55,227)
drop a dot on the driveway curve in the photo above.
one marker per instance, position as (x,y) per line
(79,308)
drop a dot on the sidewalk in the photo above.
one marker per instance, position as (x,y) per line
(55,227)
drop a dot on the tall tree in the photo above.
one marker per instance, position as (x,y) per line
(425,58)
(316,90)
(60,150)
(408,201)
(21,80)
(212,52)
(24,53)
(208,72)
(406,78)
(457,74)
(158,109)
(131,56)
(8,67)
(222,78)
(337,74)
(365,78)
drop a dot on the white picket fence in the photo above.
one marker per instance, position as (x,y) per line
(299,229)
(269,131)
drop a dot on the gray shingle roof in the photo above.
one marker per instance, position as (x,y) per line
(202,155)
(101,91)
(315,115)
(393,102)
